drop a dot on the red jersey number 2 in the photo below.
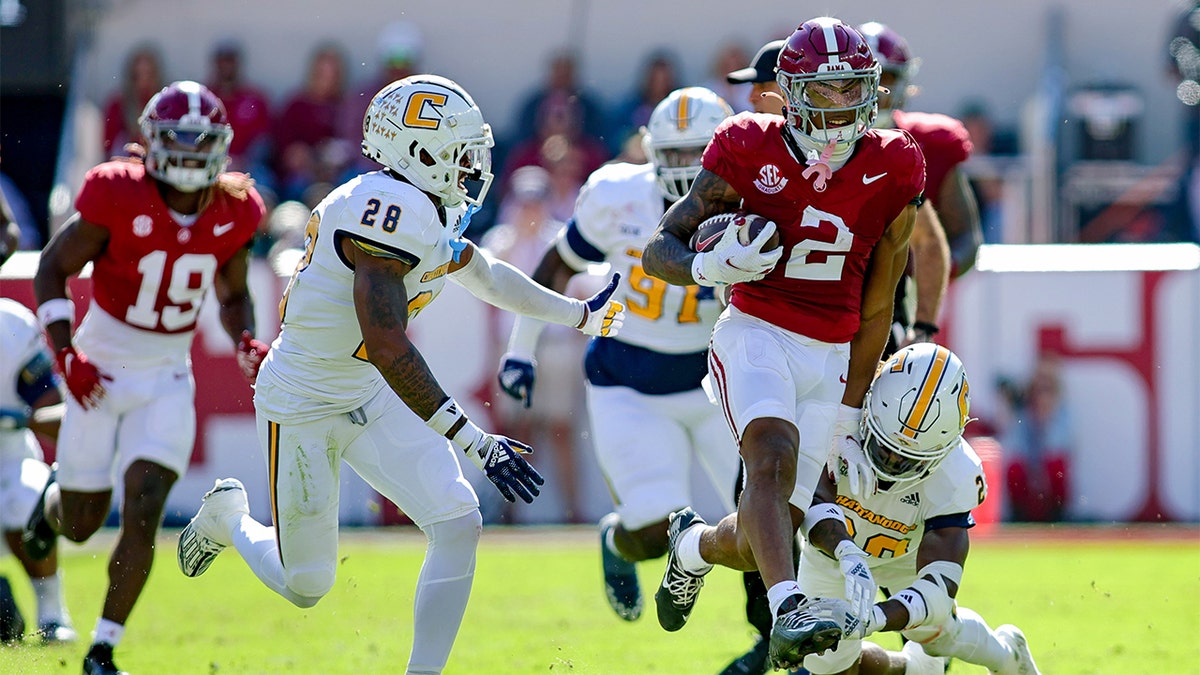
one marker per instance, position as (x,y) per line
(187,281)
(821,254)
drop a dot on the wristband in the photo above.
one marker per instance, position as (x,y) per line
(56,309)
(444,418)
(926,327)
(823,511)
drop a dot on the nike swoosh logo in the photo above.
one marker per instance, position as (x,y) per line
(867,180)
(842,379)
(703,244)
(219,230)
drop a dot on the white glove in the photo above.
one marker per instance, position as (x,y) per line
(603,316)
(848,458)
(730,262)
(860,585)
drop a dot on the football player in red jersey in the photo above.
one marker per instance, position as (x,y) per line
(793,355)
(948,233)
(159,233)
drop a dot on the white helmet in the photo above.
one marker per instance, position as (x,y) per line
(915,412)
(679,129)
(428,129)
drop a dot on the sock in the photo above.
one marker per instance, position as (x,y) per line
(442,590)
(780,592)
(256,544)
(689,552)
(108,632)
(610,543)
(50,604)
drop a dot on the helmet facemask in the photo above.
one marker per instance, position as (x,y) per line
(676,168)
(187,156)
(839,107)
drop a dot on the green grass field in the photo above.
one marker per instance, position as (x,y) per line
(1108,602)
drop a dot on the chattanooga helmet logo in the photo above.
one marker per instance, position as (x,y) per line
(769,180)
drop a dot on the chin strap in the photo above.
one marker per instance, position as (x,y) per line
(819,166)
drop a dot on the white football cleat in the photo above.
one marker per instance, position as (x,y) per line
(920,663)
(1014,639)
(209,532)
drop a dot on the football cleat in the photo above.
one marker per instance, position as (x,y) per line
(38,537)
(55,633)
(677,593)
(12,624)
(1014,639)
(805,626)
(753,662)
(99,661)
(920,663)
(208,533)
(620,576)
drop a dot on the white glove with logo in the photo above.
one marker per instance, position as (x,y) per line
(860,585)
(848,458)
(731,262)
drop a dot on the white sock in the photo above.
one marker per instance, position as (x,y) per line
(970,639)
(256,544)
(50,603)
(689,551)
(442,591)
(108,632)
(780,592)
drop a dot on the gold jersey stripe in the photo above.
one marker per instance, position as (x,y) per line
(273,470)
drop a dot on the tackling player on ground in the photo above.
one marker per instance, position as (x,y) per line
(650,418)
(793,356)
(914,528)
(159,235)
(342,382)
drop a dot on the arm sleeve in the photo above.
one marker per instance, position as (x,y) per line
(501,285)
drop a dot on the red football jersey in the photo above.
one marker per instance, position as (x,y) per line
(154,272)
(944,141)
(828,236)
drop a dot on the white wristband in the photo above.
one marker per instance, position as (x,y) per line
(823,511)
(469,439)
(848,547)
(445,417)
(524,338)
(57,309)
(698,271)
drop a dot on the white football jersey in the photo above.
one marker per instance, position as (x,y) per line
(889,525)
(318,365)
(618,209)
(20,342)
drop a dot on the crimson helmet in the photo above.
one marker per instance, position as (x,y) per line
(187,136)
(830,80)
(891,50)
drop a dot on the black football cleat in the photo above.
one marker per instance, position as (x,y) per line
(677,593)
(99,661)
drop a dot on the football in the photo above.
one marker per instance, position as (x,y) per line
(748,224)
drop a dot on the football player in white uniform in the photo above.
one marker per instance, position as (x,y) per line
(30,401)
(343,382)
(909,528)
(650,417)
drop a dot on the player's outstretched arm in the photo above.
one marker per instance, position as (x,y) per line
(883,273)
(667,254)
(502,285)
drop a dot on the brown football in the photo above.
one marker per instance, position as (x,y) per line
(748,224)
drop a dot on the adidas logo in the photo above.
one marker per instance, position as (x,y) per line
(912,499)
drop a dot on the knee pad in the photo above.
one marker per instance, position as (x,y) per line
(310,581)
(937,639)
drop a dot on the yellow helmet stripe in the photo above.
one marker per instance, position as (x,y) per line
(926,392)
(681,112)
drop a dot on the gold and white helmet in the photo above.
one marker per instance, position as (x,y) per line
(676,134)
(428,129)
(915,412)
